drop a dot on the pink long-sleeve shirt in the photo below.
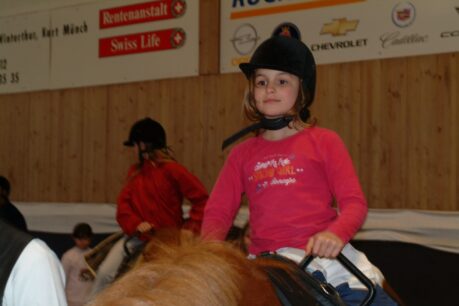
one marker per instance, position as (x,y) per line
(291,185)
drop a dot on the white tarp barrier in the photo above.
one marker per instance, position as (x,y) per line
(434,229)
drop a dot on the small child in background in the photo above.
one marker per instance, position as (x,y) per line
(77,288)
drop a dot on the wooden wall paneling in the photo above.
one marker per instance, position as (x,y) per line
(69,167)
(230,114)
(190,113)
(445,112)
(42,140)
(159,95)
(349,108)
(122,113)
(174,113)
(398,117)
(226,118)
(153,97)
(211,163)
(187,116)
(417,185)
(150,100)
(338,103)
(393,133)
(333,102)
(5,131)
(180,112)
(95,101)
(53,139)
(326,95)
(427,135)
(370,147)
(144,102)
(209,37)
(169,116)
(454,100)
(15,143)
(162,104)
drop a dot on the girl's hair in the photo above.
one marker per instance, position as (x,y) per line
(162,155)
(82,231)
(157,157)
(251,112)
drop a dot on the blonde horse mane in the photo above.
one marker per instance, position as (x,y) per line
(179,269)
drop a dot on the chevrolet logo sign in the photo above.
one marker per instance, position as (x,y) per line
(339,27)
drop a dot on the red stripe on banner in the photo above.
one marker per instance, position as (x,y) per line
(141,12)
(142,42)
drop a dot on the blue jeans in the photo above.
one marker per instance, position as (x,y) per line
(354,297)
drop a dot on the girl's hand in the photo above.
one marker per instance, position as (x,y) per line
(144,227)
(324,244)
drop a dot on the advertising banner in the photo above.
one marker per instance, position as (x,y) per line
(341,30)
(104,42)
(24,54)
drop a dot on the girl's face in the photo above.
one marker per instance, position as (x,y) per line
(275,92)
(142,147)
(82,243)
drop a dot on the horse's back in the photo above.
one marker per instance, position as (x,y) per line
(178,269)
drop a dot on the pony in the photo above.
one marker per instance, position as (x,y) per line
(177,268)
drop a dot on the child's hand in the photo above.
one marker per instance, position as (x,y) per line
(324,244)
(144,227)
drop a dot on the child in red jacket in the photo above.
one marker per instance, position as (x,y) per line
(152,196)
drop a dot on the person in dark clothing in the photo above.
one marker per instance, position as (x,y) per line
(9,212)
(30,272)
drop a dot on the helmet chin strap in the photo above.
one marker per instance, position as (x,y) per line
(265,123)
(276,123)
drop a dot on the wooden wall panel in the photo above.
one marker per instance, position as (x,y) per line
(42,144)
(398,117)
(453,84)
(95,149)
(71,145)
(121,113)
(430,126)
(209,29)
(14,145)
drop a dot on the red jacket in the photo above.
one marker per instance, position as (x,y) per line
(155,194)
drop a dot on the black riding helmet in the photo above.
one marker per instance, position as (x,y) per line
(149,132)
(287,54)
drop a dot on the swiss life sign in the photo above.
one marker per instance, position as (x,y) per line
(103,42)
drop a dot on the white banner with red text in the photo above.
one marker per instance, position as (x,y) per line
(104,42)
